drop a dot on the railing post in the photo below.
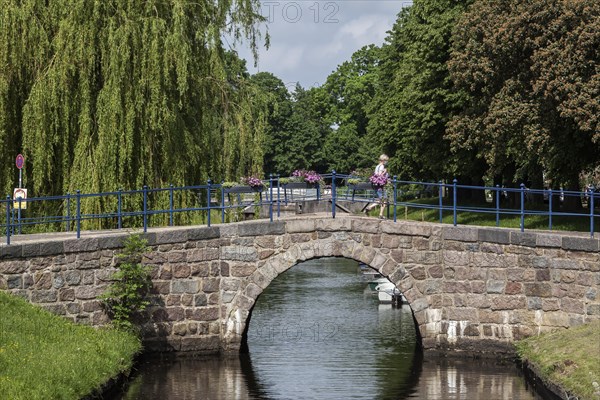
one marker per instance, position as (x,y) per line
(522,207)
(395,182)
(68,212)
(333,194)
(550,209)
(497,205)
(20,199)
(318,192)
(592,194)
(271,197)
(454,201)
(171,204)
(208,202)
(222,203)
(278,198)
(441,204)
(120,209)
(8,227)
(145,200)
(78,212)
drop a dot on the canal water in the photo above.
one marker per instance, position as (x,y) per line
(317,332)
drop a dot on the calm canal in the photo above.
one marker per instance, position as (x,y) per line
(317,332)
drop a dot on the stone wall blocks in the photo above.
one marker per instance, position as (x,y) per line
(334,225)
(10,251)
(81,245)
(44,296)
(48,249)
(111,242)
(493,236)
(548,240)
(378,261)
(365,226)
(527,239)
(239,253)
(261,228)
(388,267)
(580,243)
(504,302)
(203,233)
(460,234)
(300,226)
(13,267)
(406,228)
(185,286)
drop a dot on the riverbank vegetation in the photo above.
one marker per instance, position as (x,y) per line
(569,358)
(44,356)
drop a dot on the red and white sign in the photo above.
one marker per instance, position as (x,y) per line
(20,193)
(20,161)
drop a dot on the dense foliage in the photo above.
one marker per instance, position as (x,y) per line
(107,94)
(532,75)
(119,93)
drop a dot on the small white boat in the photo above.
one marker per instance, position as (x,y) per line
(386,291)
(378,281)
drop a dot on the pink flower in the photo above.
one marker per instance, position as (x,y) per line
(379,179)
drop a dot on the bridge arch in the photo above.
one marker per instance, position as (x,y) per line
(243,304)
(305,247)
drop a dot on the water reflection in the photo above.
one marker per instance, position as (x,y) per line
(316,333)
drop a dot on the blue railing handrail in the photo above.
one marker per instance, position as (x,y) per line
(275,194)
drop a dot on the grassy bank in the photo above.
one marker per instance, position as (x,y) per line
(568,358)
(43,356)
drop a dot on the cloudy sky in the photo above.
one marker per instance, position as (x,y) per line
(309,38)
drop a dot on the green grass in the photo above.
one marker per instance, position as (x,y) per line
(44,356)
(570,358)
(411,211)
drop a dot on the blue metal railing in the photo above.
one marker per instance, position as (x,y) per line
(162,206)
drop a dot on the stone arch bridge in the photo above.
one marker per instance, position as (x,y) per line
(471,289)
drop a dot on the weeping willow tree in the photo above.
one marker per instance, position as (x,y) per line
(107,94)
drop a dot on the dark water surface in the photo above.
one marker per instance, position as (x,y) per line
(316,333)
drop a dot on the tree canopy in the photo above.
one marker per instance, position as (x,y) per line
(101,94)
(532,75)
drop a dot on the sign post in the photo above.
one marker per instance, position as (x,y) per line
(19,162)
(20,194)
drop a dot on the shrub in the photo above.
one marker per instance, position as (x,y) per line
(127,295)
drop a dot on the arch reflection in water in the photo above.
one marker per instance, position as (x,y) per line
(316,333)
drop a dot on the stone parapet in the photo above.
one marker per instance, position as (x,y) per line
(471,289)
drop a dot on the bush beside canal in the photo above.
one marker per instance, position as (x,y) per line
(568,359)
(44,356)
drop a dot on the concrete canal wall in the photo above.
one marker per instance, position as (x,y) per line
(471,289)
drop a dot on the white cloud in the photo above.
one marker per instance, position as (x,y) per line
(309,39)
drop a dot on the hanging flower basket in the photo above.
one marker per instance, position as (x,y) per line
(378,181)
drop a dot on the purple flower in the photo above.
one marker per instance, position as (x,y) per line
(253,181)
(379,179)
(308,176)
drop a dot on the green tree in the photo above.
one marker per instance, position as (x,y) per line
(101,94)
(306,129)
(350,89)
(279,112)
(531,71)
(414,97)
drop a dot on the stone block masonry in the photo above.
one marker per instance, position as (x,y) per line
(471,289)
